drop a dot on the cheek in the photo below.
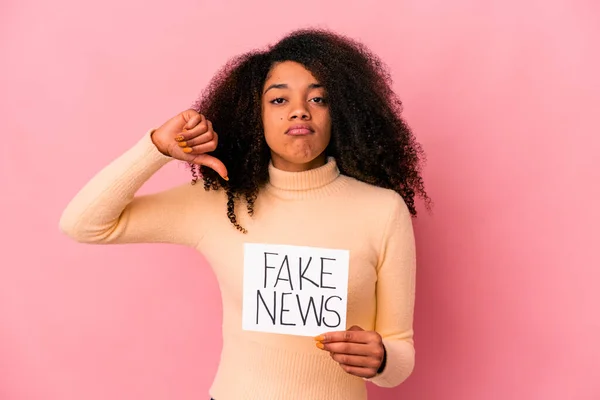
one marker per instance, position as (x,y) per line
(270,122)
(272,128)
(326,125)
(272,118)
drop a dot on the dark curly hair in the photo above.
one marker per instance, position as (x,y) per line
(369,139)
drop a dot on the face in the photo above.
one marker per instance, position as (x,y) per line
(295,117)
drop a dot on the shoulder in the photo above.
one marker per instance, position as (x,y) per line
(379,208)
(386,200)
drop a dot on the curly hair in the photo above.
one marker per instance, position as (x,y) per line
(369,139)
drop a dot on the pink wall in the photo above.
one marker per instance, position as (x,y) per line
(505,99)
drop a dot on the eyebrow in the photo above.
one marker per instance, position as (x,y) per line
(285,86)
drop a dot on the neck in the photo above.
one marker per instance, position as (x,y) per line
(311,183)
(283,165)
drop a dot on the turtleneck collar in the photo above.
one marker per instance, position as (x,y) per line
(314,183)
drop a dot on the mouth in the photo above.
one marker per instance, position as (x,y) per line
(299,130)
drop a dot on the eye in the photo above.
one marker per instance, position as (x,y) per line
(278,100)
(318,100)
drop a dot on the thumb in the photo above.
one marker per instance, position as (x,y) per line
(213,163)
(355,328)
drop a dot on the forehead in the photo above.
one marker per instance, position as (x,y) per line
(290,72)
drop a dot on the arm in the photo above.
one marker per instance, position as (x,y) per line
(396,297)
(386,355)
(106,209)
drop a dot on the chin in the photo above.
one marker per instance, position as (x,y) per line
(297,161)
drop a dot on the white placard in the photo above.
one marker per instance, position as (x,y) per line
(294,290)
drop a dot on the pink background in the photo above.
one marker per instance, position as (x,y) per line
(503,95)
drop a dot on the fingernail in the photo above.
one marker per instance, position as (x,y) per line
(320,345)
(226,178)
(320,338)
(182,144)
(179,138)
(187,150)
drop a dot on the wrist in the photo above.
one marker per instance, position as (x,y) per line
(161,148)
(383,361)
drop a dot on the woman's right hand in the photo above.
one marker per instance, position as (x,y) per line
(188,136)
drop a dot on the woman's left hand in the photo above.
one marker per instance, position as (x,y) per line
(358,352)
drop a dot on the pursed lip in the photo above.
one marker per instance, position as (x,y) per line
(299,129)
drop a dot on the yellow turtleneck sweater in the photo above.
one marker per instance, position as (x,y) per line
(318,208)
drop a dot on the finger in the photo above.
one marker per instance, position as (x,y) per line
(347,348)
(345,336)
(205,143)
(356,361)
(203,137)
(212,163)
(193,126)
(199,129)
(359,371)
(194,119)
(201,148)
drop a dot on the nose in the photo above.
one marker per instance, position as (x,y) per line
(299,111)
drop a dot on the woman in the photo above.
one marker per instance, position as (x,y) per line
(302,145)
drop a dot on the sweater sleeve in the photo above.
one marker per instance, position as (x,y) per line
(107,210)
(396,296)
